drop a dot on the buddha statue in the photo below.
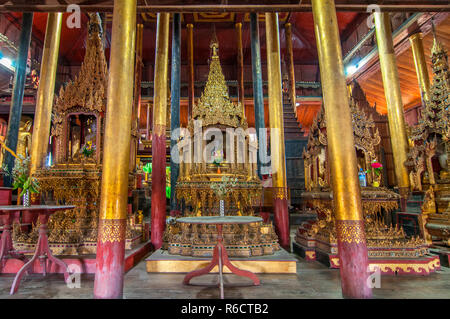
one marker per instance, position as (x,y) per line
(24,138)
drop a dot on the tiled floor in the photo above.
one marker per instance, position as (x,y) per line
(313,280)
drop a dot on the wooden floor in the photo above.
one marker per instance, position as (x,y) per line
(313,280)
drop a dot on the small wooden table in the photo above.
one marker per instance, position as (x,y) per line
(220,256)
(42,250)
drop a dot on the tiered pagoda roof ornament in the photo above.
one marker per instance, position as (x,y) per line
(215,106)
(428,159)
(431,135)
(90,85)
(75,174)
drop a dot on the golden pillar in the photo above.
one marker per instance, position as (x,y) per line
(279,183)
(289,48)
(341,154)
(116,154)
(399,139)
(190,49)
(135,116)
(240,58)
(420,64)
(158,213)
(45,94)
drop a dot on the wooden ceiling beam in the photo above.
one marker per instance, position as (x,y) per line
(214,6)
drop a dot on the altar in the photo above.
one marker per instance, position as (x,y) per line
(73,171)
(222,178)
(389,249)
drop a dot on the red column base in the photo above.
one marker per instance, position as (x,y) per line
(110,259)
(353,259)
(281,219)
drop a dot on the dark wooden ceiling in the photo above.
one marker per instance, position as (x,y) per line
(73,41)
(223,6)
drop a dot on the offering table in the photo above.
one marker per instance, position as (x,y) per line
(220,256)
(42,250)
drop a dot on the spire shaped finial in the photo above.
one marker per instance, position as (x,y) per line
(95,24)
(437,49)
(214,105)
(214,45)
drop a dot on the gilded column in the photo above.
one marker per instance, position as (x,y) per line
(116,154)
(175,104)
(136,98)
(292,92)
(15,112)
(159,130)
(240,60)
(190,48)
(46,90)
(279,183)
(341,154)
(396,119)
(258,89)
(420,64)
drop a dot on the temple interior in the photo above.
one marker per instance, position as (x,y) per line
(301,144)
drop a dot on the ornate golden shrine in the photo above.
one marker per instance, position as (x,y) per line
(382,240)
(75,178)
(428,158)
(197,177)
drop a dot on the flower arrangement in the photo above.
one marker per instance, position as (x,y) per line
(21,176)
(88,149)
(223,187)
(376,168)
(217,157)
(147,168)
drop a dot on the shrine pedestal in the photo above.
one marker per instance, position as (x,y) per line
(423,265)
(281,262)
(443,252)
(85,264)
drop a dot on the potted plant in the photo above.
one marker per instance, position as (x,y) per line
(88,149)
(22,179)
(376,168)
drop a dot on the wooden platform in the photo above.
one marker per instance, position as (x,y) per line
(443,252)
(84,264)
(279,263)
(422,266)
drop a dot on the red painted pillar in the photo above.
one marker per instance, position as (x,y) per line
(158,214)
(353,259)
(281,220)
(110,259)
